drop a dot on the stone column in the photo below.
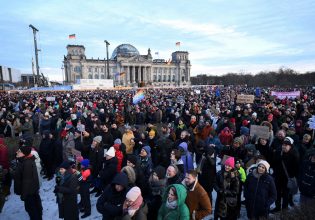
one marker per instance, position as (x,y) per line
(127,77)
(139,73)
(144,74)
(133,74)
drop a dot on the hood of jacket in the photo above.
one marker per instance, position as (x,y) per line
(184,146)
(180,191)
(121,179)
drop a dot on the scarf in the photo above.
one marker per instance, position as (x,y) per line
(133,207)
(171,205)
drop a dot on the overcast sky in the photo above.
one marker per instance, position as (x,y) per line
(221,36)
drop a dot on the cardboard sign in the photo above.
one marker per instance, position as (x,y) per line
(81,127)
(259,131)
(246,99)
(50,99)
(197,91)
(79,104)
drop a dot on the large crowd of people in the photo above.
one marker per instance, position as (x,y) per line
(161,157)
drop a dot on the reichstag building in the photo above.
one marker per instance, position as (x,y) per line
(128,68)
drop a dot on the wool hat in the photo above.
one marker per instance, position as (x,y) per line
(238,140)
(288,140)
(133,193)
(117,141)
(147,149)
(85,163)
(230,162)
(244,130)
(160,171)
(245,123)
(65,164)
(110,152)
(265,163)
(26,150)
(97,139)
(132,159)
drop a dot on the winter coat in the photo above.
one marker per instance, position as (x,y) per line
(116,134)
(181,212)
(198,200)
(207,172)
(307,179)
(109,171)
(146,166)
(164,146)
(141,213)
(216,141)
(126,139)
(68,206)
(67,146)
(107,139)
(186,157)
(226,137)
(110,204)
(27,129)
(177,179)
(45,125)
(291,162)
(236,152)
(227,187)
(26,177)
(96,157)
(259,192)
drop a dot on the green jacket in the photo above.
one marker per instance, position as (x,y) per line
(242,174)
(181,212)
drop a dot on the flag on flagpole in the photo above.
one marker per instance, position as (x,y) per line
(178,44)
(156,53)
(169,61)
(122,73)
(72,36)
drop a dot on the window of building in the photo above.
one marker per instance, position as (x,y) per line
(95,70)
(90,76)
(160,78)
(102,76)
(160,70)
(155,70)
(169,78)
(90,69)
(154,78)
(77,69)
(165,70)
(173,78)
(96,76)
(102,70)
(164,78)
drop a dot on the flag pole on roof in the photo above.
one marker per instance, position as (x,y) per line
(72,36)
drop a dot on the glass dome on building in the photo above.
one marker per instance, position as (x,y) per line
(126,50)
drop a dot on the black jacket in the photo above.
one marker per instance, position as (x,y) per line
(96,157)
(109,171)
(68,208)
(307,179)
(26,177)
(260,193)
(110,204)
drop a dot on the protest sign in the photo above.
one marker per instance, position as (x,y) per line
(50,99)
(246,99)
(259,131)
(289,95)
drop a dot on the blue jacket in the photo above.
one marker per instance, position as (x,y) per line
(186,157)
(260,193)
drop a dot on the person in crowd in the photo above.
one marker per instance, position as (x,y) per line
(307,179)
(68,143)
(134,207)
(46,152)
(145,161)
(173,204)
(157,182)
(126,140)
(286,161)
(26,183)
(197,199)
(186,157)
(207,170)
(176,159)
(173,175)
(85,203)
(259,192)
(96,157)
(4,163)
(109,169)
(110,203)
(226,186)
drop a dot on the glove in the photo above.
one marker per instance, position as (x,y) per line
(56,190)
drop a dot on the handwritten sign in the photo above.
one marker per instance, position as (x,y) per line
(246,99)
(50,99)
(259,131)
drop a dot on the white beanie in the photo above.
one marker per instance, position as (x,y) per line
(133,193)
(110,152)
(265,164)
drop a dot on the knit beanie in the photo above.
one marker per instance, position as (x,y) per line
(265,163)
(160,171)
(117,141)
(85,163)
(133,193)
(98,139)
(110,152)
(132,159)
(230,162)
(147,149)
(288,140)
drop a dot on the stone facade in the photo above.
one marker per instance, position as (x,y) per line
(128,68)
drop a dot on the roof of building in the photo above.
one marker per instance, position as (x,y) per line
(125,50)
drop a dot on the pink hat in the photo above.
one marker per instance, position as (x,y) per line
(230,162)
(133,193)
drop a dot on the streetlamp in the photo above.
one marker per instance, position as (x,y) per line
(63,79)
(107,43)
